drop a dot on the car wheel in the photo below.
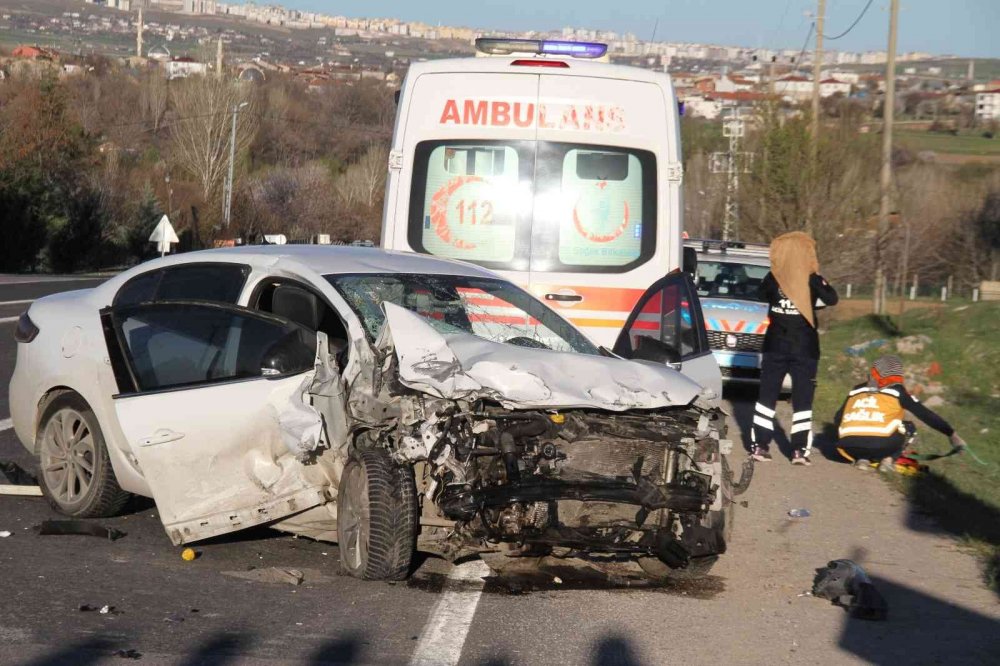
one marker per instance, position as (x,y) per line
(376,517)
(76,474)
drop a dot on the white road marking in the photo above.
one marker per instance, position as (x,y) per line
(8,320)
(29,300)
(443,637)
(6,424)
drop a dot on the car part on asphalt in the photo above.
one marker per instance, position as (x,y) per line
(270,575)
(78,528)
(128,654)
(846,584)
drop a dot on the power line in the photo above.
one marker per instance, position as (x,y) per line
(809,34)
(856,21)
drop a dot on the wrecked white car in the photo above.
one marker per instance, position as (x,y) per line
(389,402)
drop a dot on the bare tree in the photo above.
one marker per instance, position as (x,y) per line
(201,126)
(153,97)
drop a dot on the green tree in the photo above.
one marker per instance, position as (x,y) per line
(77,243)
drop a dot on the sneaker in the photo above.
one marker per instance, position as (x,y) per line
(762,455)
(863,464)
(887,465)
(800,458)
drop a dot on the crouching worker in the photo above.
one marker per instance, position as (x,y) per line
(870,424)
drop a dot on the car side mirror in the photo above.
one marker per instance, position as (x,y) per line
(292,354)
(652,349)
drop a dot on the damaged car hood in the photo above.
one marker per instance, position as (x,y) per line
(462,366)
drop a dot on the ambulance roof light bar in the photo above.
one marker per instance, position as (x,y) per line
(501,46)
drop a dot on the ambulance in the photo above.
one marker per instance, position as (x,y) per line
(559,171)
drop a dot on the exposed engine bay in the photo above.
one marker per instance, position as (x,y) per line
(582,483)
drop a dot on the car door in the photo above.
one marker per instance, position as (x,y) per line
(667,326)
(209,395)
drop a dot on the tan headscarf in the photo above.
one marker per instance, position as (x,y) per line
(793,260)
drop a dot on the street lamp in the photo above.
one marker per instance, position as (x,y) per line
(227,199)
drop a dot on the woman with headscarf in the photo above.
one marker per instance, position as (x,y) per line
(793,291)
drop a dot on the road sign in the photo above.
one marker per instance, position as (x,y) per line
(163,235)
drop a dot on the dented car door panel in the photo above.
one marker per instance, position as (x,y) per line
(215,403)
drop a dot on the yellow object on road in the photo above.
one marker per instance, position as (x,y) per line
(189,555)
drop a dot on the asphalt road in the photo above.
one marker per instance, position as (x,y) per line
(751,611)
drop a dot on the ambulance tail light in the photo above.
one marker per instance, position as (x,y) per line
(540,63)
(498,46)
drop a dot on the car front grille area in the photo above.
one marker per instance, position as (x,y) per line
(747,342)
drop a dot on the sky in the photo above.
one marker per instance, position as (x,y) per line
(960,27)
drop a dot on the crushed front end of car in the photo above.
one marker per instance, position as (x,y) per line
(515,451)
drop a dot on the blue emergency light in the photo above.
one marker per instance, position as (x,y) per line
(500,46)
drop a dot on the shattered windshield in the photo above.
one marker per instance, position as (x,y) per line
(491,309)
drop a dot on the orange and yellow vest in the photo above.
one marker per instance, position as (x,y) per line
(871,412)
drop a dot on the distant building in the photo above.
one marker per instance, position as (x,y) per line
(831,86)
(793,87)
(183,67)
(988,105)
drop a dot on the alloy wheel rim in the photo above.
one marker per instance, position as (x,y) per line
(69,454)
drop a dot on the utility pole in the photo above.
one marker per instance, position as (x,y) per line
(731,163)
(227,199)
(138,36)
(218,60)
(817,67)
(885,183)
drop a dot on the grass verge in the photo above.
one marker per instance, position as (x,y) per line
(961,494)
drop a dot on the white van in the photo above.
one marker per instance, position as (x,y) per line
(561,173)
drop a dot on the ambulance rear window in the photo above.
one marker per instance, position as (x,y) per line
(541,206)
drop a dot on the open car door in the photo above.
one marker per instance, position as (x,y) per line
(666,326)
(208,396)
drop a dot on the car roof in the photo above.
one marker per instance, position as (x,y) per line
(339,259)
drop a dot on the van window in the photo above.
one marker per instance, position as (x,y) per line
(540,206)
(472,203)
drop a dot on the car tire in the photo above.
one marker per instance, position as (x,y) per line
(75,472)
(376,517)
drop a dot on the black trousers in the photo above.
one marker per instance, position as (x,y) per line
(873,448)
(772,373)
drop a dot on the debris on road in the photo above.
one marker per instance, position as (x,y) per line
(189,554)
(78,528)
(4,534)
(847,585)
(128,654)
(106,609)
(269,575)
(799,513)
(18,481)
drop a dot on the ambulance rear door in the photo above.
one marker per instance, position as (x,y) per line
(465,188)
(603,207)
